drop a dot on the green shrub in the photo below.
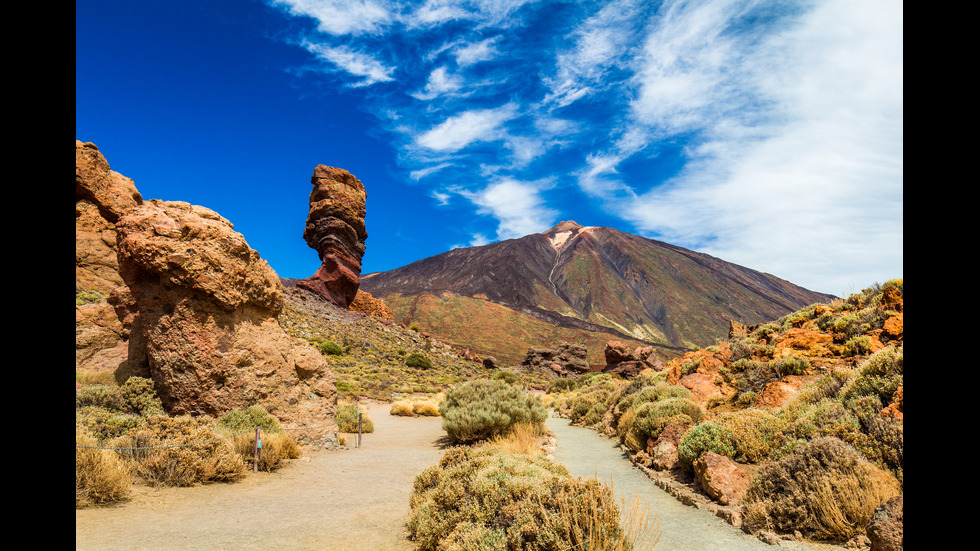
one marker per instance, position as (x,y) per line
(330,348)
(755,433)
(250,418)
(562,385)
(704,438)
(879,375)
(647,420)
(347,415)
(791,365)
(482,409)
(824,489)
(418,360)
(136,396)
(486,499)
(508,377)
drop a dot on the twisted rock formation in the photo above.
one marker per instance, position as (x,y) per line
(335,228)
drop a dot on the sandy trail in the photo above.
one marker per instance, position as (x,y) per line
(347,500)
(357,500)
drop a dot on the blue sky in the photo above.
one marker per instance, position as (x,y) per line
(765,133)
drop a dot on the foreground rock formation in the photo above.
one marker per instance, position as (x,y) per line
(206,330)
(622,360)
(335,229)
(101,197)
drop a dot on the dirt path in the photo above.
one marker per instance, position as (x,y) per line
(683,528)
(347,500)
(357,500)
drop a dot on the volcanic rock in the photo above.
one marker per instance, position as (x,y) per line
(567,360)
(886,528)
(335,229)
(366,303)
(621,360)
(101,197)
(721,478)
(206,331)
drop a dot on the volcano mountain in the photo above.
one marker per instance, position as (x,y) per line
(582,284)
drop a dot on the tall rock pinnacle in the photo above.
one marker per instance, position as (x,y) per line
(335,229)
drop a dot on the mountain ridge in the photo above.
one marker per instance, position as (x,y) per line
(593,278)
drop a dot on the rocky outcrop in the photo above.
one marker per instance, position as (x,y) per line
(886,528)
(365,303)
(566,360)
(206,330)
(101,197)
(621,360)
(335,229)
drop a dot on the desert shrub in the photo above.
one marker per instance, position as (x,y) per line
(508,377)
(593,378)
(276,448)
(488,499)
(522,438)
(827,417)
(101,476)
(330,348)
(347,419)
(103,423)
(825,489)
(704,438)
(249,418)
(136,396)
(179,451)
(482,408)
(562,385)
(791,365)
(879,375)
(402,408)
(755,433)
(647,420)
(592,401)
(418,360)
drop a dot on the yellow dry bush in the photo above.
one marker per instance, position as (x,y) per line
(426,408)
(101,476)
(277,447)
(755,433)
(523,438)
(180,451)
(402,408)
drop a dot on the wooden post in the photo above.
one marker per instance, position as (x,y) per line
(258,446)
(359,428)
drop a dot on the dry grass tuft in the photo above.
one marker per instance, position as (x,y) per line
(523,438)
(101,476)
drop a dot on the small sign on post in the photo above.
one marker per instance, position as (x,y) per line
(258,446)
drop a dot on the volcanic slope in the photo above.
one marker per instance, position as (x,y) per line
(581,284)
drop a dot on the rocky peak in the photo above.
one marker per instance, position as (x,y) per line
(335,229)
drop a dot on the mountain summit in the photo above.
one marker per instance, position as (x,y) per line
(585,279)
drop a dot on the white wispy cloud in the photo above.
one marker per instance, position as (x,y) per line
(461,130)
(810,189)
(440,82)
(517,206)
(342,17)
(471,53)
(368,69)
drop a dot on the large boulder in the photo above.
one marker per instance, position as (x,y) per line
(566,360)
(101,197)
(335,229)
(721,478)
(621,360)
(206,328)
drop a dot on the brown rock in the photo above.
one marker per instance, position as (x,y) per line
(721,478)
(367,303)
(895,409)
(617,352)
(206,331)
(663,455)
(885,529)
(567,360)
(101,196)
(894,326)
(335,229)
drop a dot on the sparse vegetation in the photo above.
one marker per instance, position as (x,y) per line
(482,409)
(418,360)
(488,498)
(347,419)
